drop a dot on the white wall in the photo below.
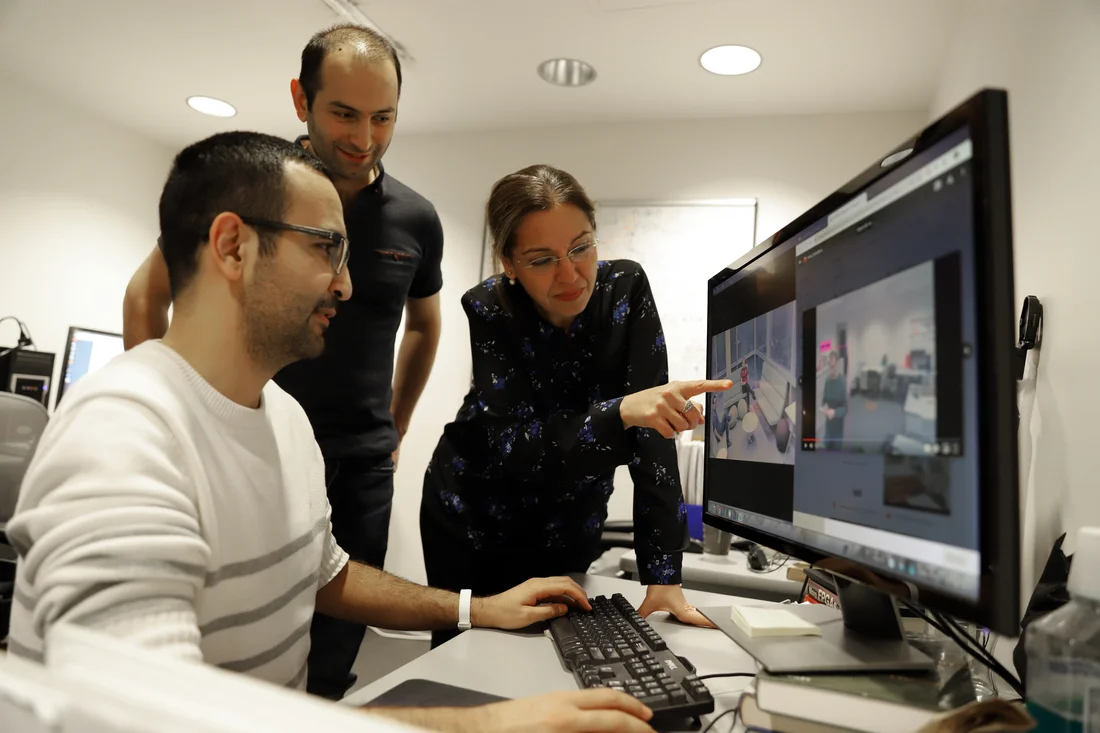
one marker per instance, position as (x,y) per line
(788,164)
(1047,55)
(78,202)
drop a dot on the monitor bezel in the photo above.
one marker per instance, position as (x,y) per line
(65,358)
(998,603)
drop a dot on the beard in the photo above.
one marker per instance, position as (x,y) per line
(278,329)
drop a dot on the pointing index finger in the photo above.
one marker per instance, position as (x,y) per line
(707,385)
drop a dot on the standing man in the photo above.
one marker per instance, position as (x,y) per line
(347,94)
(834,404)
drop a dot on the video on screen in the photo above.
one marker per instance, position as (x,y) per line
(755,421)
(876,367)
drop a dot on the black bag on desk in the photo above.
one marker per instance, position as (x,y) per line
(1050,594)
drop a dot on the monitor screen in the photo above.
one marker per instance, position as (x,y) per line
(85,352)
(852,425)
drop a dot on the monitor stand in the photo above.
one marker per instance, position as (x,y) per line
(865,636)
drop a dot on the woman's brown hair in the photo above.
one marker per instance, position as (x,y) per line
(535,188)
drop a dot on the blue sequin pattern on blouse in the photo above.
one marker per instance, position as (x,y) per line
(528,463)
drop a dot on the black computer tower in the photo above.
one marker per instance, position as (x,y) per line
(28,373)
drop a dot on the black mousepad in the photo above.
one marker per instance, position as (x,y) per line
(425,693)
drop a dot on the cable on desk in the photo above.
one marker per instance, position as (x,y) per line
(727,674)
(771,567)
(950,629)
(711,724)
(968,643)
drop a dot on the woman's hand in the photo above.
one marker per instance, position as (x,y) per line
(668,408)
(671,598)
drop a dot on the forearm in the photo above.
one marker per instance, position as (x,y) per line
(143,319)
(660,517)
(415,358)
(374,597)
(450,720)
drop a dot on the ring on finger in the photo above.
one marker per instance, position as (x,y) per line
(688,407)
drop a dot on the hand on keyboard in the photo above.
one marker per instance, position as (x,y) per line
(539,599)
(671,598)
(579,711)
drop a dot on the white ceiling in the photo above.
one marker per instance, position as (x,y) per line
(136,61)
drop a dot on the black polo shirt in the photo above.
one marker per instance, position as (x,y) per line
(396,243)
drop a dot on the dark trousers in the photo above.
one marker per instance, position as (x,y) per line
(361,494)
(453,566)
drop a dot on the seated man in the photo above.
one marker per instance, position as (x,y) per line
(177,499)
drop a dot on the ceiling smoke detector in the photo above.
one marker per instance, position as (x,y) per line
(566,72)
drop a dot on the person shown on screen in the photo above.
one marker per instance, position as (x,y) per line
(358,399)
(570,381)
(723,419)
(745,379)
(834,404)
(177,498)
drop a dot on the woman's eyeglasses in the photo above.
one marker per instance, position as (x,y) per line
(581,253)
(338,255)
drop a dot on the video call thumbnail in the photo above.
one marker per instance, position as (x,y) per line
(755,421)
(875,370)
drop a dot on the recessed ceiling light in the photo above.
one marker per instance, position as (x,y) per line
(897,157)
(211,106)
(730,60)
(567,72)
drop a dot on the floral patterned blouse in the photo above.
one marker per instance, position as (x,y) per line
(529,462)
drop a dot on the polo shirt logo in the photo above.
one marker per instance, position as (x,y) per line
(397,256)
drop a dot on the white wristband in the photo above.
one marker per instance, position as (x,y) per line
(464,597)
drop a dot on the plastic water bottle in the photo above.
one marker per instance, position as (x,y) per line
(1063,650)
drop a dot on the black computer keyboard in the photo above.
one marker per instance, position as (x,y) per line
(612,646)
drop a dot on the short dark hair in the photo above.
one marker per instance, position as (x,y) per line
(366,41)
(242,172)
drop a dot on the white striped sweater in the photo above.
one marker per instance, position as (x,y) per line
(158,510)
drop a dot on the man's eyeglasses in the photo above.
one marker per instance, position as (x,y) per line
(338,254)
(581,253)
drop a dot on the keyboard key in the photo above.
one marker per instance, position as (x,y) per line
(654,700)
(677,697)
(606,672)
(647,678)
(652,685)
(640,648)
(596,654)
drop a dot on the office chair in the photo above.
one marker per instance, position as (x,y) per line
(22,422)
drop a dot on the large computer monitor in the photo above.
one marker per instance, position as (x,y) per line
(86,350)
(872,426)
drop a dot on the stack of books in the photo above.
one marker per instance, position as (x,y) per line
(841,703)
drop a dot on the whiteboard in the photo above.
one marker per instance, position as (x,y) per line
(680,246)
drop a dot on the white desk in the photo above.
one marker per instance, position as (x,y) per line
(730,574)
(520,664)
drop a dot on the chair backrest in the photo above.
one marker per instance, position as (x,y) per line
(22,422)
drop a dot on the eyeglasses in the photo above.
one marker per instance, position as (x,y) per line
(581,253)
(338,253)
